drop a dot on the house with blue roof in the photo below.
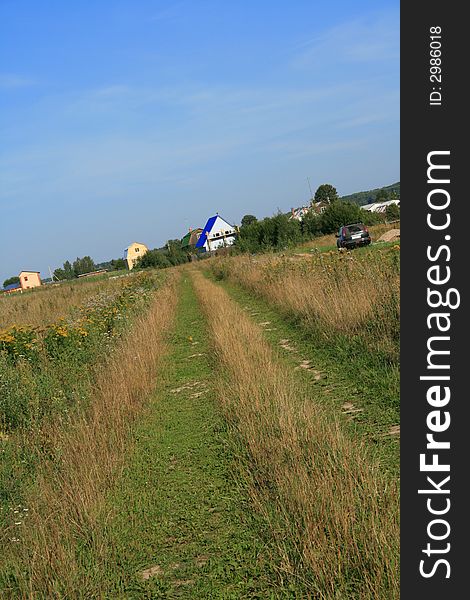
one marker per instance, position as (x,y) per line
(217,233)
(12,287)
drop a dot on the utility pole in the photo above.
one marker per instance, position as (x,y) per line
(310,188)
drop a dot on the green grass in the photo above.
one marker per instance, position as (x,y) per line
(178,508)
(346,375)
(310,248)
(54,382)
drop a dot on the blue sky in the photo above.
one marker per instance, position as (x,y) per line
(131,120)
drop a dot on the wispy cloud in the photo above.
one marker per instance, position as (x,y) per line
(171,12)
(373,38)
(364,120)
(10,81)
(106,140)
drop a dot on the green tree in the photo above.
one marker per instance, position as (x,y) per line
(326,193)
(371,218)
(118,264)
(60,275)
(68,270)
(271,233)
(248,220)
(382,195)
(311,224)
(174,253)
(338,214)
(156,259)
(83,265)
(11,280)
(392,212)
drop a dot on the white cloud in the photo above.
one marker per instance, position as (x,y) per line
(365,39)
(114,139)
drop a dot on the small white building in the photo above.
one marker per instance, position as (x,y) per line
(379,207)
(297,214)
(217,233)
(316,208)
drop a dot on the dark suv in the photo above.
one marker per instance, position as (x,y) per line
(352,236)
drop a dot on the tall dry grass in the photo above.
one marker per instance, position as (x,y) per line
(46,304)
(333,293)
(80,463)
(334,514)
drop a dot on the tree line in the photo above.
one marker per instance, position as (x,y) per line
(280,231)
(271,233)
(171,254)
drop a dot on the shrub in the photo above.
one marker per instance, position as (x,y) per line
(153,258)
(339,213)
(371,218)
(392,212)
(272,233)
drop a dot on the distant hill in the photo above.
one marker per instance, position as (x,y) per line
(362,198)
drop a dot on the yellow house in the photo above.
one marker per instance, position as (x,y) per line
(133,252)
(29,279)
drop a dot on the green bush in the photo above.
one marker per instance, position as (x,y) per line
(339,213)
(161,258)
(272,233)
(392,212)
(371,218)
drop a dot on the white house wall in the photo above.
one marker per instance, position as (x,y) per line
(220,227)
(220,243)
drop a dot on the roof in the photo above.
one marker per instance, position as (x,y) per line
(12,286)
(99,272)
(191,237)
(298,213)
(380,206)
(203,237)
(29,272)
(135,244)
(185,239)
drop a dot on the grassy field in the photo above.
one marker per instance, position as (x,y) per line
(62,421)
(343,385)
(222,430)
(320,491)
(47,304)
(347,300)
(177,522)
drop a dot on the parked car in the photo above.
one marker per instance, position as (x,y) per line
(352,236)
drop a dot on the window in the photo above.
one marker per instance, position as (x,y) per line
(137,249)
(26,279)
